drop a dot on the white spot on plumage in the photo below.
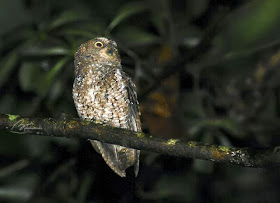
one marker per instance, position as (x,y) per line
(100,92)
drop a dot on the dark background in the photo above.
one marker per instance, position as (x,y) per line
(205,70)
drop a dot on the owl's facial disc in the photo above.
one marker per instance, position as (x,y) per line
(99,50)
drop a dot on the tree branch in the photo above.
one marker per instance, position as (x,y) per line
(75,128)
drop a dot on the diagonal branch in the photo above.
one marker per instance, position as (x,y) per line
(74,128)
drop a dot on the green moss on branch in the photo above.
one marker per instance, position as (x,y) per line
(75,128)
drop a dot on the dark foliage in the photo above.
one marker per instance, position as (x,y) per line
(206,70)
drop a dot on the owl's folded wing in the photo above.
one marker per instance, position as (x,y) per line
(119,158)
(134,122)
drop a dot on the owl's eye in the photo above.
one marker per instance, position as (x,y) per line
(98,44)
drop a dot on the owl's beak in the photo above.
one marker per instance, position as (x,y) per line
(110,50)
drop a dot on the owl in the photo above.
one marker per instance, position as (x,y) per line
(103,92)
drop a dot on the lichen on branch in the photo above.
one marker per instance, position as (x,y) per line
(75,128)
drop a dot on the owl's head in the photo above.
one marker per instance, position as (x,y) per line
(99,50)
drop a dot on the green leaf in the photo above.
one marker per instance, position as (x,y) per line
(27,74)
(18,188)
(67,17)
(226,124)
(47,81)
(223,140)
(57,68)
(79,33)
(197,7)
(56,90)
(254,25)
(8,64)
(53,51)
(136,36)
(125,12)
(31,78)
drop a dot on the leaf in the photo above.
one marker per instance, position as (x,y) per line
(7,67)
(198,7)
(46,82)
(18,188)
(15,37)
(56,90)
(126,11)
(227,124)
(223,140)
(67,17)
(53,51)
(254,25)
(27,74)
(136,36)
(31,78)
(57,67)
(79,33)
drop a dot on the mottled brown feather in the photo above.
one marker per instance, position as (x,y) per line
(102,91)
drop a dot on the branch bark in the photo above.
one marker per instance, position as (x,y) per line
(75,128)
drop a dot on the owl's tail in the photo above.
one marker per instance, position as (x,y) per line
(118,158)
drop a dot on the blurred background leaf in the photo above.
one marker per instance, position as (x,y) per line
(226,91)
(126,11)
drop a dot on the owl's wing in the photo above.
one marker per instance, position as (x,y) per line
(134,122)
(117,157)
(110,154)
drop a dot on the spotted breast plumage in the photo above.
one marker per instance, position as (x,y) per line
(103,92)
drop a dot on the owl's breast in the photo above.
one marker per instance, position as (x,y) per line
(102,97)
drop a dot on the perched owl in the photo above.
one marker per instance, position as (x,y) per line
(103,92)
